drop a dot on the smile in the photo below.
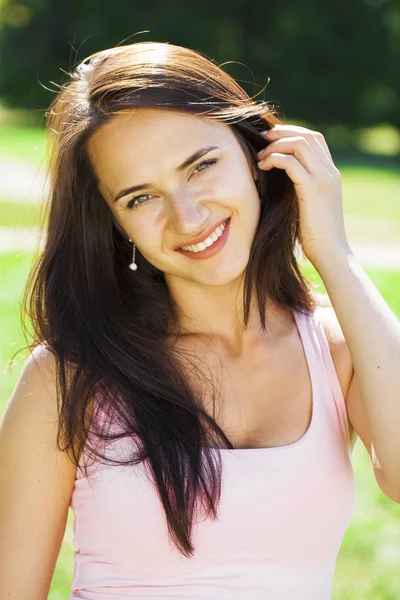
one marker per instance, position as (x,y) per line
(211,245)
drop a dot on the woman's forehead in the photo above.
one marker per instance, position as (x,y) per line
(147,127)
(153,136)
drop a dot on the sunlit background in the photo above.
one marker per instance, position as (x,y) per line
(332,67)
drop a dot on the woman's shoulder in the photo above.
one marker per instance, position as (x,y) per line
(32,416)
(338,347)
(45,363)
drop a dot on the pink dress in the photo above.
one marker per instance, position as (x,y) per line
(282,516)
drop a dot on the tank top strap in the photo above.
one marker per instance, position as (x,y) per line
(322,409)
(329,370)
(311,348)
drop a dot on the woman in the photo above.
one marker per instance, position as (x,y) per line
(179,347)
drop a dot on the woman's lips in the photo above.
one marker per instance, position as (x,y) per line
(211,250)
(201,238)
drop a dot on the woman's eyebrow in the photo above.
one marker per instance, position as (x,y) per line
(198,154)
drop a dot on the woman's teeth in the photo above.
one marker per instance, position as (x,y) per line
(208,241)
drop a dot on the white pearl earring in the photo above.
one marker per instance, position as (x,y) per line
(133,266)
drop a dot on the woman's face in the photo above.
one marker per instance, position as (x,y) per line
(173,202)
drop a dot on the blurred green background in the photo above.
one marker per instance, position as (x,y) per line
(332,68)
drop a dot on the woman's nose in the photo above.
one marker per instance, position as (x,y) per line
(186,215)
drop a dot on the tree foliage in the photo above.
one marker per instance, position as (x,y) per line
(330,62)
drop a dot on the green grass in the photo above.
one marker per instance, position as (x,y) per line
(368,562)
(18,214)
(371,204)
(371,192)
(27,143)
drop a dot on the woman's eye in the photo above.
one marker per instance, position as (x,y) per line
(133,202)
(208,163)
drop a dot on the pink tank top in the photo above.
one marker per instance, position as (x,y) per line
(282,516)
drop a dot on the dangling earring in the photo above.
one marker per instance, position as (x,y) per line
(133,266)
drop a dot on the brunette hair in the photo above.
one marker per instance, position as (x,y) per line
(105,325)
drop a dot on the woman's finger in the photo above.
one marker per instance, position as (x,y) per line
(295,170)
(314,138)
(298,147)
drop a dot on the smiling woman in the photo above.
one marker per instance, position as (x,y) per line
(159,373)
(188,198)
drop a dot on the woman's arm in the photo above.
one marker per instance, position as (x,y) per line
(36,483)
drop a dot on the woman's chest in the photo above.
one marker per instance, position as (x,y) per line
(258,410)
(262,400)
(265,399)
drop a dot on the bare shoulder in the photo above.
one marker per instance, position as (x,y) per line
(32,412)
(36,480)
(332,328)
(338,347)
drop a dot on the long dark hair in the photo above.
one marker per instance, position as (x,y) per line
(107,326)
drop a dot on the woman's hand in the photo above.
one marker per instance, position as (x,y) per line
(306,159)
